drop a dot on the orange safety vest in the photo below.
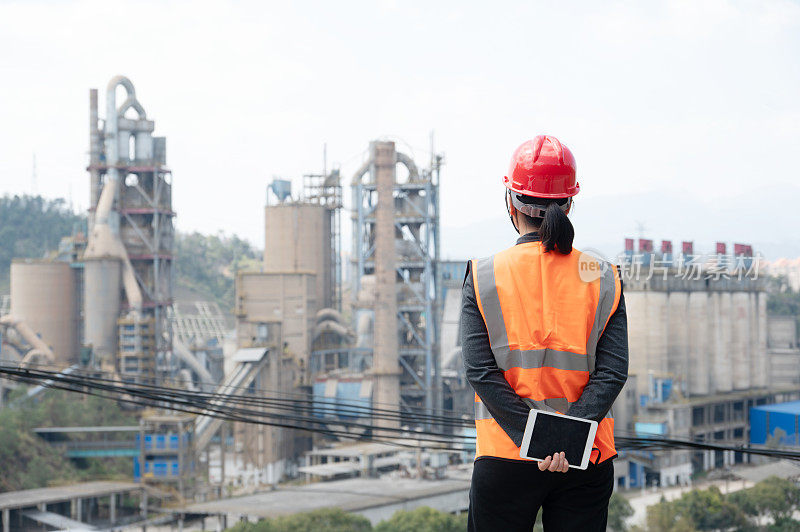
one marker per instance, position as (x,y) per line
(544,313)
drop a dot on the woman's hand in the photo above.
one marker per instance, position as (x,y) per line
(554,463)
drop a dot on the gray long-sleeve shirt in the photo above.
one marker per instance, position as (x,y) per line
(497,395)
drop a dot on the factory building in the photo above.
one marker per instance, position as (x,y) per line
(383,349)
(279,307)
(701,353)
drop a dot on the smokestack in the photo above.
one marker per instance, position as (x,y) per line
(94,155)
(385,358)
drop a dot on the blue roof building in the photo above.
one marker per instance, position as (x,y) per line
(781,420)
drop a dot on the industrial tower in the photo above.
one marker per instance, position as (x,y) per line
(128,259)
(396,243)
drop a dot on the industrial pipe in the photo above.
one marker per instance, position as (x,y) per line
(329,314)
(104,240)
(405,160)
(332,327)
(183,353)
(40,348)
(402,158)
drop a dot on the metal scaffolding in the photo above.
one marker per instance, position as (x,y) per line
(198,322)
(326,189)
(414,214)
(136,212)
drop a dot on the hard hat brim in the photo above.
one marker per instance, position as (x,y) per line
(572,191)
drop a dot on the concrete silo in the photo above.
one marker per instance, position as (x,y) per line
(679,362)
(102,298)
(721,326)
(647,335)
(740,346)
(298,238)
(699,352)
(760,361)
(43,297)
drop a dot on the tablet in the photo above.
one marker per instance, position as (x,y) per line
(548,433)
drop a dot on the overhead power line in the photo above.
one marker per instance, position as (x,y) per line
(297,411)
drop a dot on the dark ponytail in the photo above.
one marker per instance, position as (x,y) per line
(556,231)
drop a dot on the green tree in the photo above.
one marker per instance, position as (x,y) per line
(662,517)
(781,299)
(697,510)
(423,519)
(710,510)
(784,524)
(31,227)
(619,510)
(774,498)
(27,461)
(207,264)
(323,520)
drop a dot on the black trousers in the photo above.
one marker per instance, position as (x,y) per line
(506,496)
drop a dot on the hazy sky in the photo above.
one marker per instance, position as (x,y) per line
(683,116)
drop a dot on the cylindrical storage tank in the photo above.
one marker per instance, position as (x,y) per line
(43,296)
(680,364)
(647,336)
(722,363)
(699,344)
(657,312)
(635,307)
(102,295)
(298,238)
(759,359)
(740,341)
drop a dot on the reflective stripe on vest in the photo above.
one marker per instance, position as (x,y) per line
(556,404)
(543,322)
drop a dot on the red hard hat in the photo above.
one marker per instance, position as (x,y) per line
(544,168)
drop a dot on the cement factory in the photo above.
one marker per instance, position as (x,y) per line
(377,326)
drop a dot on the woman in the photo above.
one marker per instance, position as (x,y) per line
(542,326)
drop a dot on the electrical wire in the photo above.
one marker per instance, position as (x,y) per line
(269,399)
(182,401)
(279,410)
(435,413)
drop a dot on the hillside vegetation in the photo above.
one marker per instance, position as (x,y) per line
(207,264)
(27,461)
(30,227)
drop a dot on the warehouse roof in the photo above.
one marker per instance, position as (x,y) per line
(350,495)
(34,497)
(792,407)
